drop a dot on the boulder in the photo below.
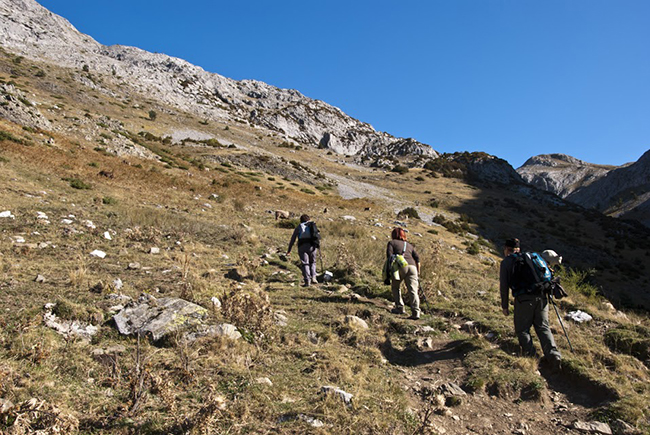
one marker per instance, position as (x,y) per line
(356,322)
(159,317)
(592,427)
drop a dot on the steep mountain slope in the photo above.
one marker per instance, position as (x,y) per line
(28,29)
(560,174)
(181,204)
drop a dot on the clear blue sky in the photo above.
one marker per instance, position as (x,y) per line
(513,78)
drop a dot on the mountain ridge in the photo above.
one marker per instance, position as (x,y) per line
(27,30)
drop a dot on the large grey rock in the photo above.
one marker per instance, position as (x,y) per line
(159,317)
(592,427)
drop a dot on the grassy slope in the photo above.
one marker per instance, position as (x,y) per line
(212,383)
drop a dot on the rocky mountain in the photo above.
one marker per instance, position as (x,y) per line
(617,191)
(560,174)
(29,30)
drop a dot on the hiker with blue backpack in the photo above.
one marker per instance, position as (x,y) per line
(403,264)
(530,279)
(308,238)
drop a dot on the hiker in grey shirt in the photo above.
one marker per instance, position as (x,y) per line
(308,243)
(408,273)
(530,309)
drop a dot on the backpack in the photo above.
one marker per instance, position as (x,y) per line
(530,274)
(393,265)
(308,233)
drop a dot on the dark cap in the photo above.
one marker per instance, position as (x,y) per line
(512,243)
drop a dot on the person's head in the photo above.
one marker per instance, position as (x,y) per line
(511,246)
(304,218)
(398,234)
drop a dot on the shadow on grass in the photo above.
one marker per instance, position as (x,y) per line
(411,357)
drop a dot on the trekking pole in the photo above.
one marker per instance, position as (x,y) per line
(562,324)
(425,298)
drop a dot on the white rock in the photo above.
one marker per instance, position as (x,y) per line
(579,316)
(39,278)
(348,218)
(373,237)
(346,397)
(216,302)
(379,225)
(592,427)
(228,331)
(89,224)
(264,381)
(41,215)
(66,221)
(107,235)
(356,322)
(206,205)
(19,239)
(118,284)
(98,253)
(154,250)
(7,214)
(313,422)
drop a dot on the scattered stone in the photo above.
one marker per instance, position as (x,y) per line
(313,422)
(7,214)
(264,381)
(68,328)
(579,316)
(469,326)
(348,218)
(378,224)
(342,289)
(107,235)
(374,238)
(280,318)
(97,253)
(425,343)
(39,278)
(216,303)
(159,317)
(66,221)
(424,330)
(134,266)
(327,276)
(313,337)
(41,216)
(621,428)
(609,307)
(154,250)
(356,322)
(346,397)
(89,224)
(227,330)
(6,405)
(592,427)
(452,389)
(19,239)
(118,284)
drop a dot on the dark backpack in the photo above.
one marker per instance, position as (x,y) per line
(310,235)
(530,274)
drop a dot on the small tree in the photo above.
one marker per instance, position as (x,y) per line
(152,115)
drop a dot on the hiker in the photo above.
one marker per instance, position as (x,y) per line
(308,238)
(407,271)
(531,308)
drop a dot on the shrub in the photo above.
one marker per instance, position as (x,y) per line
(409,212)
(400,169)
(153,115)
(108,200)
(76,183)
(473,248)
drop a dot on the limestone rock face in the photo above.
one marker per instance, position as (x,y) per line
(616,191)
(560,174)
(28,29)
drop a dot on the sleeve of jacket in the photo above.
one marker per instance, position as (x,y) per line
(504,282)
(389,250)
(293,238)
(415,255)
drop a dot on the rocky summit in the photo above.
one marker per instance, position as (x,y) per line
(28,29)
(616,191)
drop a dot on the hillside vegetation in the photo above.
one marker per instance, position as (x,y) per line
(111,164)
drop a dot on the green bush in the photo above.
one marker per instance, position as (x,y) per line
(400,169)
(108,200)
(409,212)
(76,183)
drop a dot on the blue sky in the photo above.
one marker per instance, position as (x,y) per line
(514,78)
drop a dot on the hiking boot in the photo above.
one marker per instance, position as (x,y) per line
(556,363)
(314,280)
(414,317)
(397,310)
(306,284)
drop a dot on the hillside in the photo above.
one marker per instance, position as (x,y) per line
(621,192)
(182,205)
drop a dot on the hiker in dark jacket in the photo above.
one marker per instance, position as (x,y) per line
(408,273)
(530,309)
(308,243)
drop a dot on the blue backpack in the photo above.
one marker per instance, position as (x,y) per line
(530,274)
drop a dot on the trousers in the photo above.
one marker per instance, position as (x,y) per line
(532,310)
(408,274)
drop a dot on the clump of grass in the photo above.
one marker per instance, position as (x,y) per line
(630,339)
(76,183)
(109,200)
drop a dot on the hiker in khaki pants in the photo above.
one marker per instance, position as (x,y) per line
(407,273)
